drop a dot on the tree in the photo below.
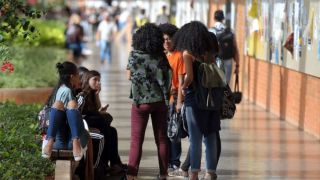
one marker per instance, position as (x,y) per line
(15,16)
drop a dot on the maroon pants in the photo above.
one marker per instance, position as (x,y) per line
(139,120)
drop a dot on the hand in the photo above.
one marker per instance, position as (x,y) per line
(98,89)
(183,91)
(178,107)
(104,108)
(236,70)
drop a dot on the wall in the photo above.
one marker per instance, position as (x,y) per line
(292,95)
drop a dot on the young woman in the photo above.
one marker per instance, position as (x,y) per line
(98,117)
(198,45)
(66,129)
(150,75)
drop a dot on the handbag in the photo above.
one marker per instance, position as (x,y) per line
(228,108)
(237,94)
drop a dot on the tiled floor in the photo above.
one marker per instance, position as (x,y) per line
(255,144)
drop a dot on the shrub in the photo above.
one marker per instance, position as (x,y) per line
(34,67)
(20,151)
(50,33)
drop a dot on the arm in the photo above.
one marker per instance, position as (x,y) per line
(188,60)
(180,96)
(236,56)
(128,74)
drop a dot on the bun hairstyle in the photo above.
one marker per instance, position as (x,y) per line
(65,70)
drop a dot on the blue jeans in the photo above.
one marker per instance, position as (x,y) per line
(175,147)
(195,138)
(175,153)
(228,69)
(64,126)
(105,50)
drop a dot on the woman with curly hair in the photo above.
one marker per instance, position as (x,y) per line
(198,45)
(150,75)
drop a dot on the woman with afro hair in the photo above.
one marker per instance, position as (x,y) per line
(197,44)
(150,75)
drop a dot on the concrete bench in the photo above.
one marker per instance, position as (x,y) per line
(65,164)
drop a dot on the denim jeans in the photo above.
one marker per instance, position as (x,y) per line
(64,126)
(195,138)
(105,50)
(228,69)
(175,153)
(175,146)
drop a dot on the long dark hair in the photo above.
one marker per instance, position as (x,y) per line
(195,38)
(85,80)
(65,70)
(149,39)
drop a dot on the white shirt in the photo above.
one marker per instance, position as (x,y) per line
(217,26)
(106,30)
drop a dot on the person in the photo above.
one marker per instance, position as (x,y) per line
(221,31)
(176,99)
(150,75)
(98,117)
(140,20)
(186,164)
(197,45)
(64,115)
(104,36)
(163,17)
(74,38)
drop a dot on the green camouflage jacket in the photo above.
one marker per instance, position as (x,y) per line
(150,77)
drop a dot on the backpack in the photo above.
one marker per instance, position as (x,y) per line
(43,119)
(225,39)
(208,86)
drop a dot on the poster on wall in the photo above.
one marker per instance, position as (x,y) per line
(277,30)
(297,39)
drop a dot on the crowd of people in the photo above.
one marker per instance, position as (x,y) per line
(165,68)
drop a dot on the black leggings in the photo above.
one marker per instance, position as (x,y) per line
(110,150)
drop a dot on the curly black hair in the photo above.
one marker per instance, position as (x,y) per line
(195,38)
(168,29)
(149,39)
(215,43)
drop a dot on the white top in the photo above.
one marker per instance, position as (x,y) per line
(106,30)
(219,26)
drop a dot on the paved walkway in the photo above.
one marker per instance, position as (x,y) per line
(255,144)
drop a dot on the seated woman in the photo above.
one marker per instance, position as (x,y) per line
(97,117)
(66,129)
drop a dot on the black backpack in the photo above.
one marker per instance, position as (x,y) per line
(208,86)
(225,39)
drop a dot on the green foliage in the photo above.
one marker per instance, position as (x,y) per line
(15,18)
(50,33)
(34,67)
(20,147)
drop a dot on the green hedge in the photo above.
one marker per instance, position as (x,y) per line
(49,33)
(34,67)
(20,148)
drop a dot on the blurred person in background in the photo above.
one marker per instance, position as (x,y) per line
(140,20)
(104,36)
(74,38)
(163,17)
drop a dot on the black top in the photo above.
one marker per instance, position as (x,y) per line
(207,120)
